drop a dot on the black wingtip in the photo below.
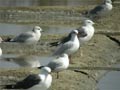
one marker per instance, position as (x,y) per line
(9,87)
(7,39)
(41,67)
(53,44)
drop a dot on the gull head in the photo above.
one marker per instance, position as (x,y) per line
(64,55)
(88,22)
(46,69)
(37,28)
(74,31)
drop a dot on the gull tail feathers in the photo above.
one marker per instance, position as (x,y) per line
(8,40)
(53,44)
(10,87)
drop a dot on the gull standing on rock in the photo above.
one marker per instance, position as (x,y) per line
(70,46)
(59,64)
(30,37)
(40,81)
(67,38)
(88,29)
(85,33)
(100,10)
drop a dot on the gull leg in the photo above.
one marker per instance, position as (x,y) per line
(81,53)
(35,47)
(71,62)
(57,75)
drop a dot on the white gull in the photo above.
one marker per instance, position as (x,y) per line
(40,81)
(70,46)
(88,29)
(60,63)
(100,10)
(29,37)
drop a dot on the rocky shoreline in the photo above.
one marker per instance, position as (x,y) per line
(99,52)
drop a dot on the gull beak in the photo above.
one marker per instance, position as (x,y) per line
(41,30)
(93,23)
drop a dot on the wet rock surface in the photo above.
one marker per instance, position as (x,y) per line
(99,52)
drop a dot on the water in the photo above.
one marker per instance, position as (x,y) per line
(111,81)
(27,3)
(17,61)
(13,29)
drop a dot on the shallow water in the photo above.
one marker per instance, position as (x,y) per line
(15,29)
(44,2)
(110,81)
(17,61)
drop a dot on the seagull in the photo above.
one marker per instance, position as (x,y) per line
(30,37)
(60,63)
(70,46)
(67,38)
(40,81)
(1,40)
(88,29)
(100,10)
(85,33)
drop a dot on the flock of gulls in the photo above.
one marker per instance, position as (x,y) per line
(66,47)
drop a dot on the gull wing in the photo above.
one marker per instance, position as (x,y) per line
(28,82)
(22,37)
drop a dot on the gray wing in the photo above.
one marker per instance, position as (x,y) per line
(66,39)
(63,48)
(22,37)
(81,32)
(97,9)
(54,64)
(62,41)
